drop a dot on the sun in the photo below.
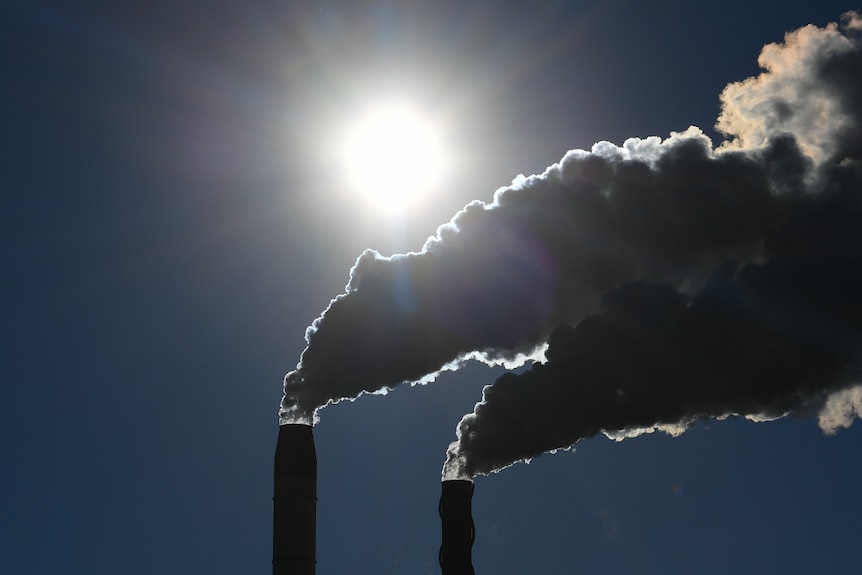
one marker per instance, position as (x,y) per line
(392,157)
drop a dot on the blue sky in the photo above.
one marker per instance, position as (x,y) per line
(173,220)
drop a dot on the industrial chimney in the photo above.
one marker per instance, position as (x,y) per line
(458,530)
(294,522)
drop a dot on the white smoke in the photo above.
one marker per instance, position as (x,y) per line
(790,96)
(840,410)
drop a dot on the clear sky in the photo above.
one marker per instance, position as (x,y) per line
(175,213)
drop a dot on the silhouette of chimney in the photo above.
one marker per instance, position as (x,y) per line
(294,522)
(458,530)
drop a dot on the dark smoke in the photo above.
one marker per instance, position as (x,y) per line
(775,339)
(634,230)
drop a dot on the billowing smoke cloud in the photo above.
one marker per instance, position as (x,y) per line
(771,340)
(810,89)
(498,278)
(630,238)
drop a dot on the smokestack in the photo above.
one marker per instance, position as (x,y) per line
(294,522)
(458,530)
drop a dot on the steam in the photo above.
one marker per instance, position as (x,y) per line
(714,280)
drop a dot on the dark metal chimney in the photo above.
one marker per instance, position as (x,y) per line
(294,523)
(456,556)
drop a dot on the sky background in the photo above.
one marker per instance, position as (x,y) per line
(172,219)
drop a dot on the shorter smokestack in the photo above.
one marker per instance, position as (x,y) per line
(294,522)
(456,514)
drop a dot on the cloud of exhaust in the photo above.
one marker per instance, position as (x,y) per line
(769,340)
(630,238)
(781,334)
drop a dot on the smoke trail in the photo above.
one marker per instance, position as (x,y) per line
(780,336)
(496,281)
(774,339)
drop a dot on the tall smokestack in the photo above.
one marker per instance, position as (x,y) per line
(294,522)
(458,530)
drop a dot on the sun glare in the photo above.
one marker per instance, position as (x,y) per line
(392,157)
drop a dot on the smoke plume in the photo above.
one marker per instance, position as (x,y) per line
(656,283)
(769,340)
